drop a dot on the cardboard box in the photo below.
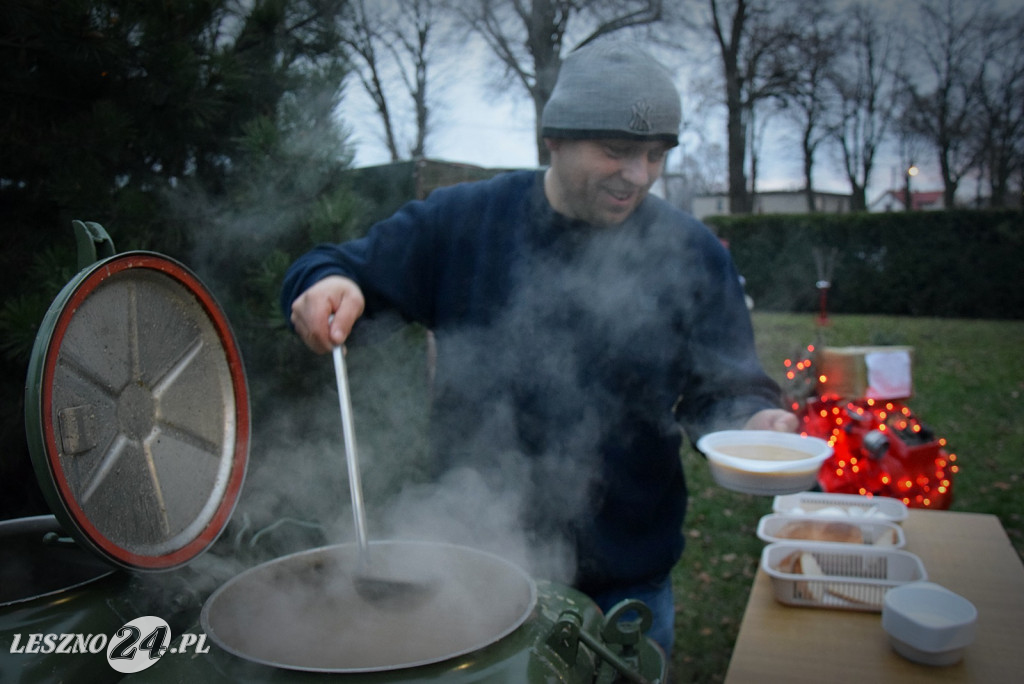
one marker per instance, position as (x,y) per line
(867,372)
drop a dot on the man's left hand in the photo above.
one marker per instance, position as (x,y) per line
(778,420)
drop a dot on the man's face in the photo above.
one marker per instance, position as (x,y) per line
(602,181)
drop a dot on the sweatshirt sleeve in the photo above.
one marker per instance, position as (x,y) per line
(726,382)
(434,259)
(391,264)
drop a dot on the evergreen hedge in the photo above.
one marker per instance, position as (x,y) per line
(950,264)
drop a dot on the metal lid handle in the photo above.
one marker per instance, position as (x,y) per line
(93,243)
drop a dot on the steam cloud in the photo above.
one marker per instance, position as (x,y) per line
(570,338)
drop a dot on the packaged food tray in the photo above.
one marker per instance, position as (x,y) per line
(851,577)
(778,527)
(841,506)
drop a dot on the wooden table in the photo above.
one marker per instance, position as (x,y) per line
(968,553)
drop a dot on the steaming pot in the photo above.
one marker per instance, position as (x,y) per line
(491,624)
(137,416)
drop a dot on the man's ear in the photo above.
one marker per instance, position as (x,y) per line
(552,144)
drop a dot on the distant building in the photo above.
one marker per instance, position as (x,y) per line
(775,202)
(895,200)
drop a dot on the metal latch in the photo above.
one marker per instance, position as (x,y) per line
(624,627)
(77,426)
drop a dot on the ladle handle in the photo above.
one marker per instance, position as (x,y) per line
(351,455)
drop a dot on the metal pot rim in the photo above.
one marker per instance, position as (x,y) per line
(490,576)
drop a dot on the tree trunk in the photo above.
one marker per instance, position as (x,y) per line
(858,197)
(739,202)
(809,172)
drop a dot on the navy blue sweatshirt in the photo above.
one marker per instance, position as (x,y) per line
(583,352)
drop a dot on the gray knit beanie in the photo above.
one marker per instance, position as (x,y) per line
(612,90)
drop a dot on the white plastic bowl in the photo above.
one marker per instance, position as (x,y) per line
(852,506)
(928,623)
(763,461)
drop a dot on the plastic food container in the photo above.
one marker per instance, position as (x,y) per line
(777,527)
(763,461)
(841,506)
(840,576)
(928,623)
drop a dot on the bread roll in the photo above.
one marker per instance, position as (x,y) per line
(886,538)
(789,563)
(807,565)
(850,592)
(820,530)
(817,587)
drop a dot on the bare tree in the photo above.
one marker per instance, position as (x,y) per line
(389,37)
(527,37)
(699,169)
(698,166)
(814,54)
(944,98)
(752,47)
(758,120)
(411,31)
(363,37)
(730,38)
(866,83)
(1001,97)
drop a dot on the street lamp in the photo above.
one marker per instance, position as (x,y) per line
(908,200)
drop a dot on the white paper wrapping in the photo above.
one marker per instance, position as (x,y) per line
(889,375)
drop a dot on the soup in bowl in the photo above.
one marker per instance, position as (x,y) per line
(763,461)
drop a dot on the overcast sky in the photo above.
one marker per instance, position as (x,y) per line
(475,125)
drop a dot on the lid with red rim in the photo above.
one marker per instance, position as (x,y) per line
(137,412)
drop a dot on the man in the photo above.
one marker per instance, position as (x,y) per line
(579,323)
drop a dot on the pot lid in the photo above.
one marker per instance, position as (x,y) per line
(137,412)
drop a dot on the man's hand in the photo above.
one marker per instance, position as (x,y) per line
(778,420)
(312,311)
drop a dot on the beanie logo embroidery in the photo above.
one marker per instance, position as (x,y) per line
(640,121)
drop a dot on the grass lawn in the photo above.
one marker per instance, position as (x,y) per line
(968,387)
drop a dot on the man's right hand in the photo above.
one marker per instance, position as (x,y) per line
(312,311)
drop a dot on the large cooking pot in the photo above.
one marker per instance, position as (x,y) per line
(489,623)
(138,422)
(469,600)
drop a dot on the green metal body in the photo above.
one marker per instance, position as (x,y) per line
(53,588)
(546,648)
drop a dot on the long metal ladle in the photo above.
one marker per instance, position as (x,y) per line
(351,455)
(371,583)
